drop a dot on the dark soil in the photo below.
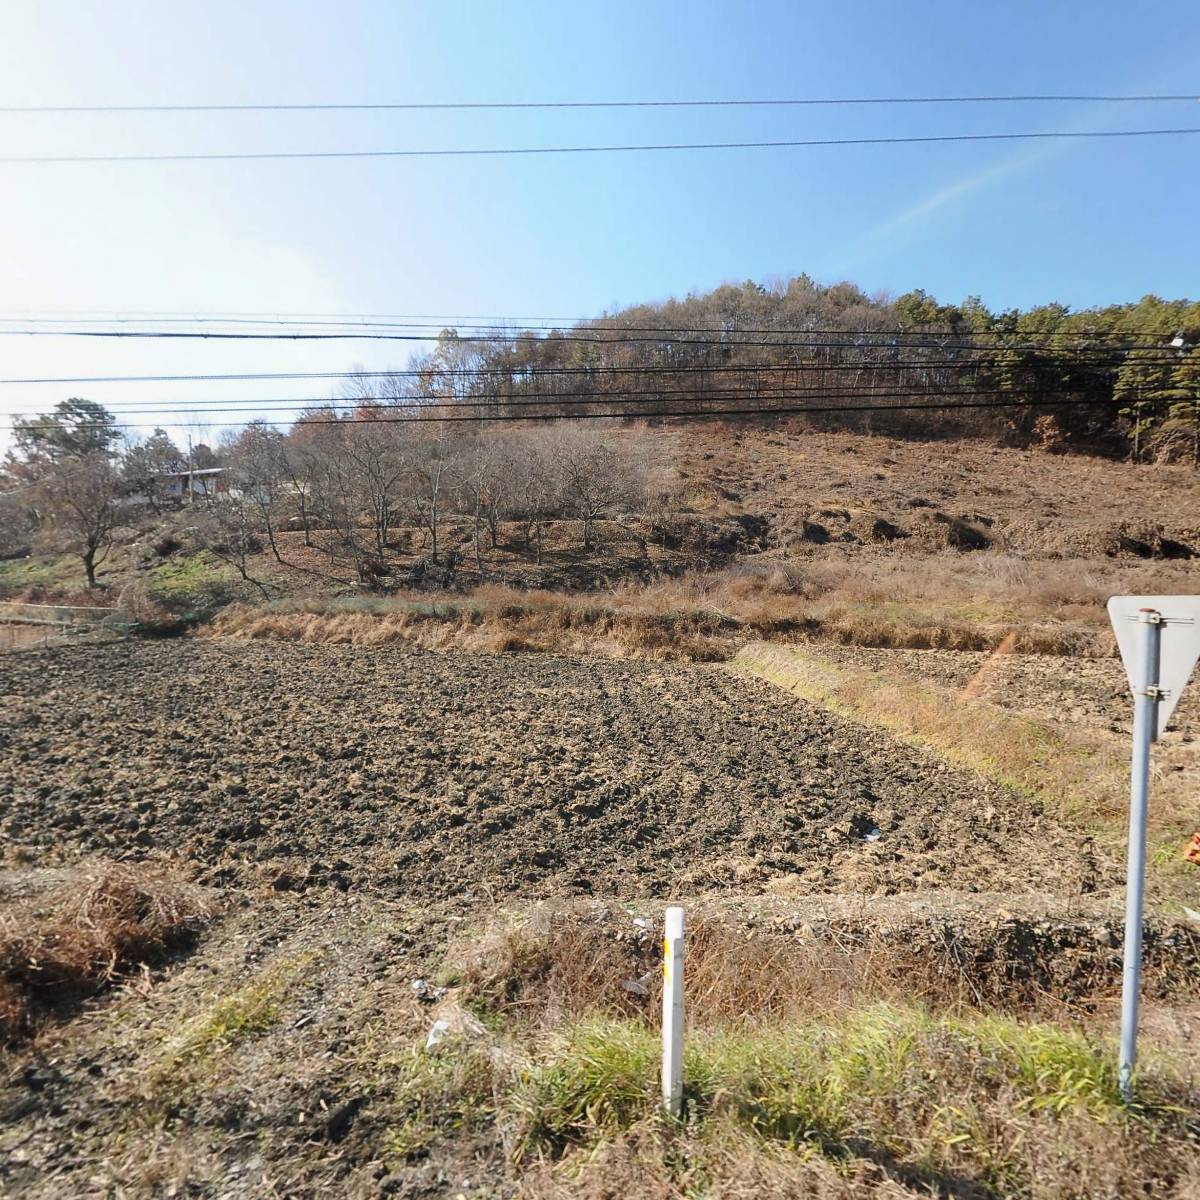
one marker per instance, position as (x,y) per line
(367,812)
(452,775)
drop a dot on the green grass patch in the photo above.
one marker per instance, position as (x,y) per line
(599,1079)
(976,1097)
(905,1079)
(46,571)
(438,1096)
(250,1011)
(192,583)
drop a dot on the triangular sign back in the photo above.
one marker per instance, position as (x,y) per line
(1179,647)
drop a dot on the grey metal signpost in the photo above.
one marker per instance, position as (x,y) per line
(1145,701)
(1159,640)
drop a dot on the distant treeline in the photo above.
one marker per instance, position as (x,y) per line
(1124,379)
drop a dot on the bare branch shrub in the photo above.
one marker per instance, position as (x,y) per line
(81,502)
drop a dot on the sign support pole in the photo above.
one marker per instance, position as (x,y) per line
(672,1013)
(1145,720)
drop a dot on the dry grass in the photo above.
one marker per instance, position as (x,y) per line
(933,1141)
(984,1100)
(492,620)
(581,966)
(875,1101)
(547,969)
(71,943)
(948,601)
(648,1162)
(945,601)
(798,1079)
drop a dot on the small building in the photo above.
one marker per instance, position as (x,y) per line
(208,482)
(173,487)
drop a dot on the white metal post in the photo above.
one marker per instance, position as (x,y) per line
(1145,719)
(672,1059)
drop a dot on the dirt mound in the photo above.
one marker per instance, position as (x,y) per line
(763,955)
(942,530)
(1124,539)
(825,525)
(431,774)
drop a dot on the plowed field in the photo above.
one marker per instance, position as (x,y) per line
(446,775)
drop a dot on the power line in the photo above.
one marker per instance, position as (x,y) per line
(494,152)
(452,106)
(459,320)
(429,401)
(757,410)
(144,314)
(1113,359)
(503,328)
(726,341)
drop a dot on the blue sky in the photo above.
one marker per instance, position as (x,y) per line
(1017,223)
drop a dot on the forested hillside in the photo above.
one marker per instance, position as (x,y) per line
(1118,380)
(481,455)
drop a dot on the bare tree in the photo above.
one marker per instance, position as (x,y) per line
(536,483)
(592,479)
(336,495)
(363,477)
(257,472)
(429,477)
(376,465)
(481,483)
(228,528)
(351,480)
(80,500)
(651,480)
(298,466)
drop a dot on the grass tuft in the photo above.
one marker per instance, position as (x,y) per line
(252,1009)
(83,936)
(598,1079)
(1000,1105)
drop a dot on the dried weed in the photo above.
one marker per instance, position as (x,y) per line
(73,943)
